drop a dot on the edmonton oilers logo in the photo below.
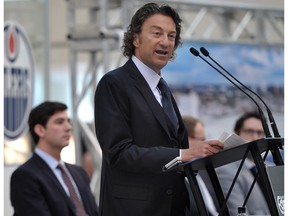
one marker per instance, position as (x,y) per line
(18,80)
(280,202)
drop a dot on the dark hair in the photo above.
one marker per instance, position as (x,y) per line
(41,114)
(240,122)
(140,17)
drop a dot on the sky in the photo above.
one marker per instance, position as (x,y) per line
(251,64)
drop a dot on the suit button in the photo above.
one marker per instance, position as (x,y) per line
(169,191)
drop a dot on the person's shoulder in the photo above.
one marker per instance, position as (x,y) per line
(70,165)
(27,167)
(119,71)
(117,76)
(76,169)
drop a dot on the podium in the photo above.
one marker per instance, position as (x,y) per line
(251,149)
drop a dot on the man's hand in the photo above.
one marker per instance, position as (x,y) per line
(201,149)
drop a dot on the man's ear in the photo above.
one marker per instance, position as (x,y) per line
(39,130)
(136,40)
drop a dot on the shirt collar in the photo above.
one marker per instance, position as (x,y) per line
(51,161)
(151,77)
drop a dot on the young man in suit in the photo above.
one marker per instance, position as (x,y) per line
(135,133)
(38,187)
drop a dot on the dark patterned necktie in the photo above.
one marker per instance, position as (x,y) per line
(73,195)
(167,102)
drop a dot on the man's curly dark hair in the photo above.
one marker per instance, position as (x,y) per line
(139,18)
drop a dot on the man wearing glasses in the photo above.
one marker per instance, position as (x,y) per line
(249,127)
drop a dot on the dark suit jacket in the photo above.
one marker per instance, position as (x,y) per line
(36,191)
(137,141)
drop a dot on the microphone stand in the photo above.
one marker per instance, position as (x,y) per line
(274,150)
(276,154)
(264,123)
(271,118)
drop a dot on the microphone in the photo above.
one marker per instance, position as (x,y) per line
(264,123)
(276,154)
(270,115)
(275,151)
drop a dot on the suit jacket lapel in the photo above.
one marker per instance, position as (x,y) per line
(78,182)
(144,89)
(46,171)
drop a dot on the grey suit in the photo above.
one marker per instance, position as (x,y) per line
(137,141)
(256,204)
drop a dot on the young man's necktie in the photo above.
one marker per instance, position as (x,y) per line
(73,195)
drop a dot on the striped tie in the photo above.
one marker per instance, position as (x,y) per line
(73,195)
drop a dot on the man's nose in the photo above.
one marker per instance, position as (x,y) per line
(68,125)
(164,40)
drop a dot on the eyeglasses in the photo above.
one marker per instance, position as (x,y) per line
(251,132)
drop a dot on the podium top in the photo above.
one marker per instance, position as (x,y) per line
(232,154)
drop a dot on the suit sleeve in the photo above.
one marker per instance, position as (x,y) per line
(113,124)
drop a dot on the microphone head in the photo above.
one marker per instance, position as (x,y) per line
(194,51)
(204,51)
